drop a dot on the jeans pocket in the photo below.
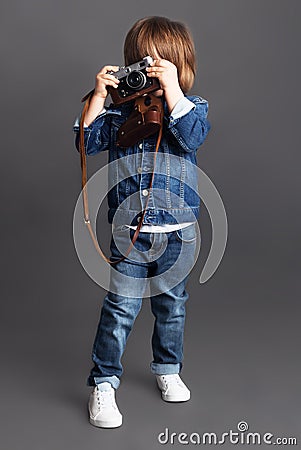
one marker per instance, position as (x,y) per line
(187,234)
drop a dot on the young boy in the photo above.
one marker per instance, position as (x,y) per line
(170,219)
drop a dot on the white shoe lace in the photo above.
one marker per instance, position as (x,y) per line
(172,379)
(105,398)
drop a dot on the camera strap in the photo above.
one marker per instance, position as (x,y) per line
(146,112)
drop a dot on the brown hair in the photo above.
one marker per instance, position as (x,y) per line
(159,36)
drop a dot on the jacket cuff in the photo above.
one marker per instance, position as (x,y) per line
(88,127)
(182,107)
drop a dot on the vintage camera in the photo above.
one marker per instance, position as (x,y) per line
(134,82)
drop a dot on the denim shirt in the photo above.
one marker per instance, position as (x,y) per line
(174,195)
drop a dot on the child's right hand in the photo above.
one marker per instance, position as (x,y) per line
(104,79)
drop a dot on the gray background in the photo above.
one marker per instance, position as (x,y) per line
(242,340)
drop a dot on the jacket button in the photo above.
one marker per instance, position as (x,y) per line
(140,146)
(139,170)
(145,192)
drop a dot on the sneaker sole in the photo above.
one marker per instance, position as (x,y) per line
(171,398)
(106,424)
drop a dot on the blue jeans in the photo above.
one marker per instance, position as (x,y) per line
(124,300)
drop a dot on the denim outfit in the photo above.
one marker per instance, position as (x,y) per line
(174,199)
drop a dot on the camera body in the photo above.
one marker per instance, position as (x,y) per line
(134,82)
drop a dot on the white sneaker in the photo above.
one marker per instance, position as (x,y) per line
(102,406)
(172,387)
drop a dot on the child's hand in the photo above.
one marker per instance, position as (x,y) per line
(96,105)
(104,79)
(167,74)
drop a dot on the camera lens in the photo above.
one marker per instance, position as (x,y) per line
(136,80)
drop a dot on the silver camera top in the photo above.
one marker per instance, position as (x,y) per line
(136,67)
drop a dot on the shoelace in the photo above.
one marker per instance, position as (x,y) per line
(105,398)
(173,379)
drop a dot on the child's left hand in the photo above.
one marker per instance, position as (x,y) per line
(167,74)
(165,71)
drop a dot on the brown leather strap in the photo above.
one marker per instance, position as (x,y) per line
(141,106)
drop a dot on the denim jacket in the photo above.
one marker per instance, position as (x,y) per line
(174,195)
